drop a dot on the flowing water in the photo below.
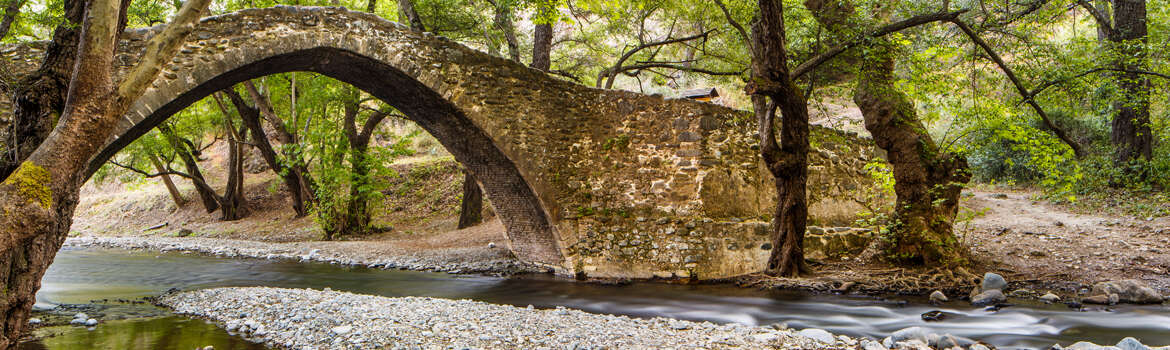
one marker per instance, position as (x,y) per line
(79,276)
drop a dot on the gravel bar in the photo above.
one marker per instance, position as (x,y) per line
(486,260)
(315,319)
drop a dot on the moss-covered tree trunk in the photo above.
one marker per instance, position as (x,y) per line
(928,180)
(38,198)
(250,117)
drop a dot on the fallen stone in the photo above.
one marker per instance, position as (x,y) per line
(1101,299)
(1129,343)
(1050,298)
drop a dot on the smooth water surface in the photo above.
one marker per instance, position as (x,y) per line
(81,275)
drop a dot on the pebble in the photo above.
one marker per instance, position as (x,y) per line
(340,320)
(990,297)
(1050,298)
(91,322)
(818,335)
(452,260)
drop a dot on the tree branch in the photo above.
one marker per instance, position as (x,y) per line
(160,49)
(1102,19)
(812,63)
(1011,75)
(747,40)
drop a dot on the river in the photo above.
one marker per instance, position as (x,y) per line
(79,276)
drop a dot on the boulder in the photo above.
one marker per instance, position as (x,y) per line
(990,297)
(1129,291)
(1050,298)
(1101,299)
(992,281)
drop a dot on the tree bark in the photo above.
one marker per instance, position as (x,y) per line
(166,179)
(542,37)
(251,119)
(1132,136)
(41,97)
(927,180)
(206,195)
(773,90)
(39,197)
(503,22)
(11,10)
(406,11)
(471,210)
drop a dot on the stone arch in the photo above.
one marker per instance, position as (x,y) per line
(404,69)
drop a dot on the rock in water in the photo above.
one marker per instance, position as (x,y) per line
(1129,343)
(992,281)
(91,322)
(990,297)
(872,345)
(818,335)
(912,333)
(35,321)
(937,297)
(1050,298)
(1129,291)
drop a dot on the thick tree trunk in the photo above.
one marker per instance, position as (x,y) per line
(406,11)
(471,210)
(1132,136)
(39,197)
(371,6)
(41,97)
(251,119)
(166,179)
(927,180)
(206,195)
(542,47)
(773,91)
(357,214)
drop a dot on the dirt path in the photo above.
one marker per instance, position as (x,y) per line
(1028,240)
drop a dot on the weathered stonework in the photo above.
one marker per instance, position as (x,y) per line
(599,182)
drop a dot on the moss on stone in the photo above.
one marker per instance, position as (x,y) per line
(33,183)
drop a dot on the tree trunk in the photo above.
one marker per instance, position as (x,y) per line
(542,47)
(41,97)
(927,180)
(1132,136)
(166,179)
(471,210)
(503,22)
(357,215)
(371,6)
(406,11)
(11,10)
(232,205)
(251,119)
(40,196)
(771,88)
(206,195)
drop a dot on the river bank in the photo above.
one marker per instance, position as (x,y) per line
(488,259)
(315,319)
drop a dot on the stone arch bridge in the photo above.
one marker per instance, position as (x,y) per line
(588,181)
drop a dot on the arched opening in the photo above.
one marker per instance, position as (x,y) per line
(531,235)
